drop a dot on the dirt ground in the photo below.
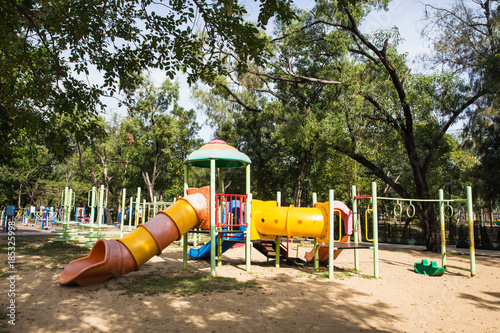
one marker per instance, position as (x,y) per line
(289,299)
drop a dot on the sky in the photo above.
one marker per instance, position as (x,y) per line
(407,15)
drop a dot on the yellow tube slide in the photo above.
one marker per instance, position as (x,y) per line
(269,221)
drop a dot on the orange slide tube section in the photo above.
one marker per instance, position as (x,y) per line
(111,258)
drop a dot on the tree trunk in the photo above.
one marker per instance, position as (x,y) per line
(19,196)
(149,185)
(298,187)
(426,213)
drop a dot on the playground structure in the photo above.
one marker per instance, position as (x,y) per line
(224,217)
(45,217)
(210,213)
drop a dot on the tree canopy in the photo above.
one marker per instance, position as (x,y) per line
(50,52)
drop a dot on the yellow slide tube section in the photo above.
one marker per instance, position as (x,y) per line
(270,221)
(141,245)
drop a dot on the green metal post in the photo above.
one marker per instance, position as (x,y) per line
(375,231)
(219,236)
(131,210)
(155,206)
(137,207)
(66,204)
(124,200)
(184,237)
(355,223)
(92,204)
(442,228)
(212,217)
(100,212)
(331,227)
(277,240)
(71,203)
(143,220)
(471,232)
(248,211)
(316,245)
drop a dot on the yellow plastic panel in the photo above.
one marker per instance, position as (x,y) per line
(141,244)
(183,215)
(306,222)
(269,221)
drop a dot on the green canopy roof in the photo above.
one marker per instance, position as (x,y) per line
(224,155)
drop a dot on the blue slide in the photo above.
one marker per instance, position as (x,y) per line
(204,251)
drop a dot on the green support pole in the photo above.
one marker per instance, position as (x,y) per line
(375,231)
(316,245)
(143,220)
(471,232)
(137,207)
(101,204)
(277,246)
(131,210)
(330,234)
(124,200)
(442,228)
(92,204)
(155,206)
(355,223)
(66,204)
(248,244)
(184,237)
(221,191)
(212,217)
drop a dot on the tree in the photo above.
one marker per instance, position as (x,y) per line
(468,42)
(28,171)
(467,39)
(373,102)
(161,134)
(49,50)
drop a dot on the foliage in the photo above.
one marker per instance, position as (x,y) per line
(50,52)
(467,40)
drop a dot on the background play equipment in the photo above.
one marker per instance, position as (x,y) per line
(7,216)
(431,270)
(68,202)
(113,258)
(98,226)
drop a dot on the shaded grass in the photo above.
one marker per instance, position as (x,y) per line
(341,274)
(51,253)
(3,321)
(184,285)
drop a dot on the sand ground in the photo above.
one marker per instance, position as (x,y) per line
(289,299)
